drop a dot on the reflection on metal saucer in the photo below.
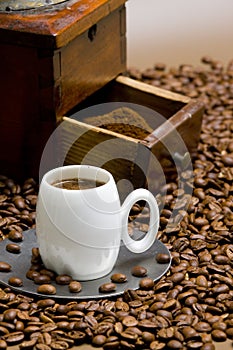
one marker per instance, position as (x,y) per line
(20,264)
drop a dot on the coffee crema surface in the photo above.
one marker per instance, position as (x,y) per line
(78,184)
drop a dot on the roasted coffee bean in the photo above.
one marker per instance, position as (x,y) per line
(107,288)
(15,281)
(6,327)
(227,159)
(41,279)
(157,345)
(229,333)
(49,273)
(166,333)
(99,340)
(10,315)
(28,344)
(46,289)
(41,346)
(220,288)
(201,281)
(75,287)
(174,344)
(177,277)
(208,346)
(13,338)
(5,267)
(118,278)
(111,345)
(15,236)
(218,335)
(31,274)
(194,344)
(19,202)
(146,283)
(219,325)
(13,248)
(63,279)
(189,333)
(202,326)
(139,271)
(162,258)
(129,321)
(19,326)
(148,337)
(3,344)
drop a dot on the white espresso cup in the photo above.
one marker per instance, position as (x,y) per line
(80,231)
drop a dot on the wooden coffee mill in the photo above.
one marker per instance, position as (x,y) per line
(59,54)
(53,54)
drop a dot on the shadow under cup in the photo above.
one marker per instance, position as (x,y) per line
(79,231)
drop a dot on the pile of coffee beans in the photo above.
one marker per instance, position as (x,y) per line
(17,207)
(191,307)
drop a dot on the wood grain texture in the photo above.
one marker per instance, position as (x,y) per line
(54,26)
(176,124)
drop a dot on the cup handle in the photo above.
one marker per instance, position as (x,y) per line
(145,243)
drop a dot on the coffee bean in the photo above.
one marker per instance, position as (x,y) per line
(129,321)
(19,326)
(208,346)
(10,315)
(157,345)
(3,344)
(107,288)
(189,333)
(229,332)
(13,248)
(146,283)
(202,327)
(111,345)
(31,274)
(177,277)
(75,287)
(15,281)
(174,344)
(219,325)
(162,258)
(46,289)
(201,281)
(194,344)
(148,337)
(41,346)
(5,267)
(118,278)
(227,159)
(28,344)
(63,279)
(218,335)
(41,279)
(170,304)
(15,236)
(220,288)
(13,338)
(99,340)
(139,271)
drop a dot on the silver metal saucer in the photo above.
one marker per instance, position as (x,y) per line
(21,262)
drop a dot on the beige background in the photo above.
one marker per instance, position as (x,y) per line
(178,31)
